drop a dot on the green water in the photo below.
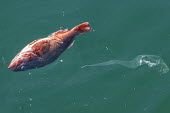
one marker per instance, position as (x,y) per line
(124,29)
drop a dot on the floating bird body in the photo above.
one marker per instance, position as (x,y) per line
(46,50)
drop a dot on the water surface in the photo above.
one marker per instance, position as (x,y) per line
(124,30)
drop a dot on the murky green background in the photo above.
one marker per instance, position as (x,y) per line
(124,29)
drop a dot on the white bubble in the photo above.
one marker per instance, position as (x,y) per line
(63,13)
(20,90)
(61,60)
(107,48)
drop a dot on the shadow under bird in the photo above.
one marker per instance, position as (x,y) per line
(46,50)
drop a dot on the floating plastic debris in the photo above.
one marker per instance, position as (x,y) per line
(152,61)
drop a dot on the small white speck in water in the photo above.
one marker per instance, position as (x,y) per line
(20,90)
(134,88)
(105,98)
(30,105)
(63,13)
(107,48)
(29,73)
(30,99)
(61,60)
